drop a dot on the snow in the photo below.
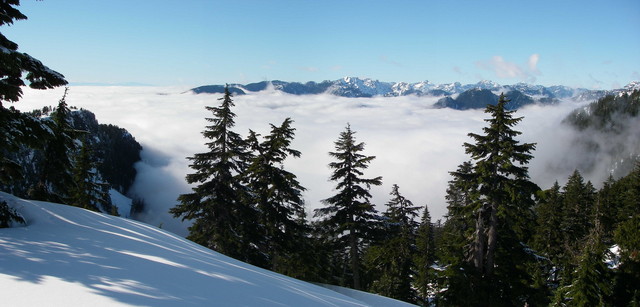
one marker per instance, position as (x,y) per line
(75,257)
(122,202)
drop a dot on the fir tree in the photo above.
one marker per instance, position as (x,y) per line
(591,284)
(88,192)
(16,129)
(502,212)
(56,177)
(349,215)
(277,195)
(222,218)
(393,258)
(578,214)
(425,258)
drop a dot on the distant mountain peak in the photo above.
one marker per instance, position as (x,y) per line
(366,87)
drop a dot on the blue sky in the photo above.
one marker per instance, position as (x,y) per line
(592,44)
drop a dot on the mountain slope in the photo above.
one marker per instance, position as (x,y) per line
(71,256)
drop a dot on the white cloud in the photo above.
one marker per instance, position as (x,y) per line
(533,63)
(509,70)
(416,146)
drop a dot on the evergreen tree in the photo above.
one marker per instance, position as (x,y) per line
(222,217)
(277,195)
(591,284)
(577,221)
(548,237)
(502,212)
(15,128)
(425,258)
(349,215)
(16,64)
(626,290)
(393,258)
(88,191)
(56,179)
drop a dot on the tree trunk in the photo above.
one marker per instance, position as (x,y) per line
(355,262)
(492,240)
(476,255)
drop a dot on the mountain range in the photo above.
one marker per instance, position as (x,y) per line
(453,95)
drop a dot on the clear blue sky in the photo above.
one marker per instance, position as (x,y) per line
(593,44)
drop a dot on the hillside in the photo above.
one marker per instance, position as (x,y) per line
(75,257)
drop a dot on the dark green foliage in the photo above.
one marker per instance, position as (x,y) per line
(591,283)
(14,64)
(493,271)
(349,215)
(425,259)
(277,195)
(88,191)
(118,151)
(223,220)
(393,258)
(18,131)
(56,166)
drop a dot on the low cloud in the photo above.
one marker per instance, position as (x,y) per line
(416,145)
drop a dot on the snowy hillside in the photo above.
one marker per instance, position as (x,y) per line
(68,256)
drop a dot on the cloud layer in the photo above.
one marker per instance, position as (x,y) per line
(416,145)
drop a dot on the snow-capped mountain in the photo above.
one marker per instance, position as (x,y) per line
(366,87)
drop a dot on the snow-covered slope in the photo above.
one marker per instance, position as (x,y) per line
(67,256)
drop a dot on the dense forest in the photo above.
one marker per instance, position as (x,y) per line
(504,241)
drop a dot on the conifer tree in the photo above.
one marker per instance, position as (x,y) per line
(88,192)
(16,64)
(577,221)
(349,215)
(277,195)
(393,259)
(502,211)
(56,179)
(217,204)
(591,284)
(15,128)
(425,258)
(548,237)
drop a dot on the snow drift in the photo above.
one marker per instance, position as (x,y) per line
(71,256)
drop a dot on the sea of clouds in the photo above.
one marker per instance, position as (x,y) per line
(416,145)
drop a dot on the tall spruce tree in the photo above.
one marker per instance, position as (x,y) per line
(56,178)
(425,258)
(277,195)
(222,217)
(591,284)
(349,215)
(393,259)
(577,221)
(88,191)
(502,213)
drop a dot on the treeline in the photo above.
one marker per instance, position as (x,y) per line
(504,241)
